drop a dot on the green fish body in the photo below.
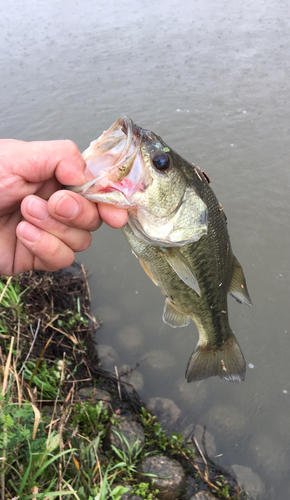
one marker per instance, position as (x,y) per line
(178,231)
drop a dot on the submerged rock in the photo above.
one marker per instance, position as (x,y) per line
(204,438)
(165,409)
(130,338)
(108,314)
(107,356)
(192,394)
(131,376)
(170,480)
(249,481)
(158,359)
(226,420)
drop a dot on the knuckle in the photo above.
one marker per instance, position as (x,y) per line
(84,242)
(71,147)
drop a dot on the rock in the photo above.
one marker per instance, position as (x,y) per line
(158,359)
(203,495)
(226,420)
(108,356)
(249,481)
(198,432)
(95,395)
(130,429)
(131,376)
(165,409)
(170,480)
(130,338)
(193,394)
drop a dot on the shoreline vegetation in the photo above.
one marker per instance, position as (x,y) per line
(61,413)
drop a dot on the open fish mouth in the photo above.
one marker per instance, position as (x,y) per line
(123,165)
(115,162)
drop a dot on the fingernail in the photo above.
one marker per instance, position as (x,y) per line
(29,232)
(67,207)
(37,208)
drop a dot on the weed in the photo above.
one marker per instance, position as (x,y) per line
(128,454)
(142,489)
(91,418)
(157,438)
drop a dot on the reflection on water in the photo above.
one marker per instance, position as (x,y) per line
(212,78)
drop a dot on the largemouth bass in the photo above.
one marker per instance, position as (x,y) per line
(178,231)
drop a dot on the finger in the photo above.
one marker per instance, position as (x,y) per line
(49,252)
(35,211)
(48,188)
(114,217)
(74,210)
(41,160)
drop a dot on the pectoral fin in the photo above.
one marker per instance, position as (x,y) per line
(180,265)
(173,317)
(238,288)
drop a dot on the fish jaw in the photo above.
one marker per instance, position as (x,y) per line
(114,160)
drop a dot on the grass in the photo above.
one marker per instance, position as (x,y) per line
(51,442)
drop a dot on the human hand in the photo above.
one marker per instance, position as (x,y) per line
(56,223)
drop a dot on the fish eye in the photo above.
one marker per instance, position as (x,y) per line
(161,161)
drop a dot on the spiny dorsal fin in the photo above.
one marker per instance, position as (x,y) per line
(238,288)
(180,265)
(173,317)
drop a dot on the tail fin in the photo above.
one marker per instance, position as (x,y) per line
(226,361)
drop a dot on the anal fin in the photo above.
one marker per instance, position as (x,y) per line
(238,288)
(173,317)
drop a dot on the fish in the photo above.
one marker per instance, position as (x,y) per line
(178,231)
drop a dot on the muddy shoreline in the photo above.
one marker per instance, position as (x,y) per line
(62,331)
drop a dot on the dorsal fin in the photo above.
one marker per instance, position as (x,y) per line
(181,266)
(238,288)
(173,317)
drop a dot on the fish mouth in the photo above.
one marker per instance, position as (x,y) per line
(114,161)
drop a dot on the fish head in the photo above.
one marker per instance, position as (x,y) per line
(133,168)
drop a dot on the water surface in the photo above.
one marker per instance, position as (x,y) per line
(212,78)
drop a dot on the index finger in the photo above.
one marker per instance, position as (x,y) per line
(74,210)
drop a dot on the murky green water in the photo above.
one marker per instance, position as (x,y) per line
(212,78)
